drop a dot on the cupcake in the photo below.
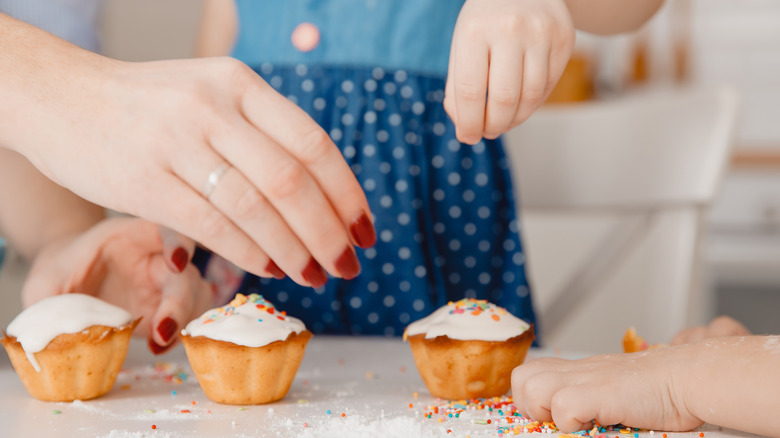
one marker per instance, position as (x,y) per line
(468,349)
(246,352)
(69,347)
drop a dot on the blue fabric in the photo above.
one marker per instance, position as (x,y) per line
(71,20)
(2,250)
(413,35)
(444,211)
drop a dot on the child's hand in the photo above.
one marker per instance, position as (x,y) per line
(513,51)
(638,390)
(726,381)
(121,261)
(719,327)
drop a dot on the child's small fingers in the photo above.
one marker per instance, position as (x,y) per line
(177,249)
(449,91)
(535,76)
(505,82)
(526,386)
(538,391)
(470,70)
(727,326)
(689,335)
(575,407)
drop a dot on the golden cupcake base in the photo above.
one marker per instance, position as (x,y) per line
(239,375)
(453,369)
(73,366)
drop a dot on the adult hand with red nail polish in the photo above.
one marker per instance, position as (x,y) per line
(204,147)
(122,261)
(177,249)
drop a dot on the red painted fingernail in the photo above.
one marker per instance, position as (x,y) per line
(314,274)
(158,349)
(363,232)
(347,264)
(167,328)
(179,258)
(274,270)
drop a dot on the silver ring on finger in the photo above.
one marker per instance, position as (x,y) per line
(213,179)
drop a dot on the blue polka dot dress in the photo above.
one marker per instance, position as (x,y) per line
(444,212)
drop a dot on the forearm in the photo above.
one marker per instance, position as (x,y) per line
(34,211)
(607,17)
(41,79)
(734,382)
(218,28)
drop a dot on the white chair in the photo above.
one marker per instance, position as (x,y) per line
(612,202)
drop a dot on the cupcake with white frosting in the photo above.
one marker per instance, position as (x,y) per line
(69,347)
(468,349)
(246,352)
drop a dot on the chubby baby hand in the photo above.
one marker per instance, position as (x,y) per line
(637,390)
(125,262)
(505,59)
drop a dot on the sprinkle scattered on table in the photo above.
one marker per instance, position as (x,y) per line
(499,415)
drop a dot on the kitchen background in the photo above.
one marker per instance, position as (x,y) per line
(689,42)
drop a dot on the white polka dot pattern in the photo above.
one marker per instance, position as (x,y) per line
(443,211)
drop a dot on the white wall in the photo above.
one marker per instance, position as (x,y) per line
(739,42)
(735,43)
(143,30)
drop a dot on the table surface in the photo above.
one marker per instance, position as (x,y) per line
(372,381)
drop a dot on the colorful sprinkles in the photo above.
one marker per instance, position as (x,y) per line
(473,307)
(500,414)
(223,312)
(476,307)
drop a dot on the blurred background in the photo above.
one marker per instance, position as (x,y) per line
(689,44)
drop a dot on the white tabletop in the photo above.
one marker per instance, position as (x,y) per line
(372,381)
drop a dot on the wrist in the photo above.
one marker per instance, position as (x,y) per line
(684,380)
(707,376)
(44,80)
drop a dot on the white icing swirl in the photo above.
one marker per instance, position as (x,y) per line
(37,325)
(469,319)
(249,321)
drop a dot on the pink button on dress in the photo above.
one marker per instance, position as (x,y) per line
(305,37)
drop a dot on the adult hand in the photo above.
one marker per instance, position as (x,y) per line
(203,146)
(638,390)
(505,59)
(718,327)
(121,261)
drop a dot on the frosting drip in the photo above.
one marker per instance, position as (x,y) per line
(469,319)
(37,325)
(250,321)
